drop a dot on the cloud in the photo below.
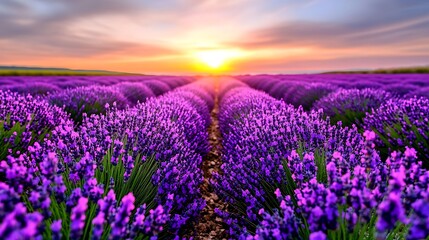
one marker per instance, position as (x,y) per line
(383,23)
(45,27)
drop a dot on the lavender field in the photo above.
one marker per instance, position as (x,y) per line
(316,156)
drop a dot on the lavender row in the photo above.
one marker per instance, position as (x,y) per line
(351,106)
(398,114)
(94,99)
(131,173)
(89,95)
(38,85)
(290,174)
(306,89)
(399,122)
(395,83)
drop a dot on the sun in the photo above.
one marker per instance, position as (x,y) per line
(215,59)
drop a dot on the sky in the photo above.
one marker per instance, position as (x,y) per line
(249,36)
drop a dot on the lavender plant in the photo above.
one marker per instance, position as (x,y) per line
(87,100)
(350,106)
(422,92)
(400,89)
(306,94)
(25,120)
(34,88)
(157,87)
(134,91)
(297,93)
(400,123)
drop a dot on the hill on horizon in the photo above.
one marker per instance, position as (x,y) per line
(420,69)
(42,71)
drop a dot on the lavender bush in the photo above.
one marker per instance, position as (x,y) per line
(306,94)
(157,87)
(134,91)
(35,88)
(400,123)
(297,93)
(25,120)
(350,106)
(400,89)
(422,92)
(88,100)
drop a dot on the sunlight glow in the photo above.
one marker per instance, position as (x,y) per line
(216,59)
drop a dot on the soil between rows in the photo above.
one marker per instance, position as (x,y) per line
(210,225)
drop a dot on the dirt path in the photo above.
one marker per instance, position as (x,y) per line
(210,225)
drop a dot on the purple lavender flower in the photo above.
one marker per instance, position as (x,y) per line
(59,188)
(139,220)
(283,224)
(156,220)
(390,212)
(18,224)
(56,229)
(98,225)
(77,218)
(92,189)
(122,216)
(318,236)
(420,220)
(303,169)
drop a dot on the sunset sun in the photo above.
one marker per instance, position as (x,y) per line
(213,59)
(216,59)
